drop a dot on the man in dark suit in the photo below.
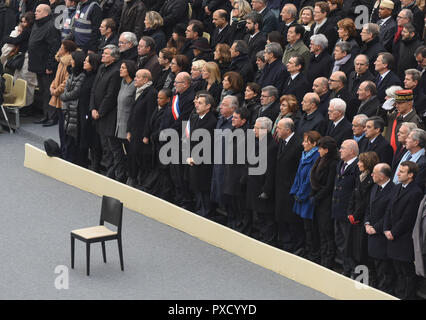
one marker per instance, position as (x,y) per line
(322,25)
(270,22)
(358,129)
(320,87)
(291,235)
(387,24)
(223,31)
(288,18)
(337,85)
(380,197)
(376,142)
(180,110)
(269,99)
(194,31)
(319,64)
(398,227)
(274,73)
(371,44)
(312,119)
(415,145)
(404,130)
(346,174)
(386,77)
(240,60)
(296,83)
(200,167)
(356,77)
(339,128)
(234,173)
(369,104)
(108,30)
(255,39)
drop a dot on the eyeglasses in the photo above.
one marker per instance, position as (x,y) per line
(399,17)
(122,42)
(263,96)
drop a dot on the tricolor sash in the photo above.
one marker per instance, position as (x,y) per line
(187,130)
(175,107)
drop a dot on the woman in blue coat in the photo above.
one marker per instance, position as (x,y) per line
(301,189)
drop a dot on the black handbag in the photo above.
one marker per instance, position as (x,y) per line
(16,62)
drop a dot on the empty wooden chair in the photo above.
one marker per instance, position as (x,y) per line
(111,212)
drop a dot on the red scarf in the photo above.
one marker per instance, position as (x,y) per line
(397,34)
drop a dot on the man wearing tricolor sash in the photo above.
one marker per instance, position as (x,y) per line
(180,109)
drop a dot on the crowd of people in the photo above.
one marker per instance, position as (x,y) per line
(341,108)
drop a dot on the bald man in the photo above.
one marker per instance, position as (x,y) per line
(312,118)
(223,33)
(320,87)
(179,111)
(346,174)
(44,42)
(137,128)
(291,233)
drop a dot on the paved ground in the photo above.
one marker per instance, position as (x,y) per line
(162,263)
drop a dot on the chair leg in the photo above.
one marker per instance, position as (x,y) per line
(120,252)
(103,251)
(88,257)
(72,251)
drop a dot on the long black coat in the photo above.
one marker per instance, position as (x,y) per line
(286,168)
(256,44)
(138,123)
(298,87)
(341,132)
(225,36)
(356,242)
(274,74)
(381,147)
(86,125)
(104,98)
(344,185)
(242,65)
(400,218)
(235,172)
(256,184)
(322,189)
(314,121)
(318,67)
(173,12)
(374,215)
(43,44)
(132,18)
(371,49)
(200,175)
(271,112)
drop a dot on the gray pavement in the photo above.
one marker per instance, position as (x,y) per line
(160,262)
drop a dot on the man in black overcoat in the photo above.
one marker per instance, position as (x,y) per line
(296,84)
(179,111)
(381,195)
(235,172)
(103,100)
(339,128)
(260,187)
(346,174)
(200,163)
(274,73)
(291,234)
(398,227)
(376,142)
(312,119)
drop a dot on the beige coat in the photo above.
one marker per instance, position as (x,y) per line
(58,84)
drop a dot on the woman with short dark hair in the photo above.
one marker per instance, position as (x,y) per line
(252,101)
(233,85)
(322,177)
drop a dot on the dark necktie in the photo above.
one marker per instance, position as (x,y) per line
(409,157)
(379,81)
(343,168)
(282,146)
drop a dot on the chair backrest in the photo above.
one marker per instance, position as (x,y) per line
(112,212)
(8,82)
(19,90)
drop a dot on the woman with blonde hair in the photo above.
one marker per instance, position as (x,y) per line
(241,9)
(306,17)
(153,28)
(196,70)
(212,80)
